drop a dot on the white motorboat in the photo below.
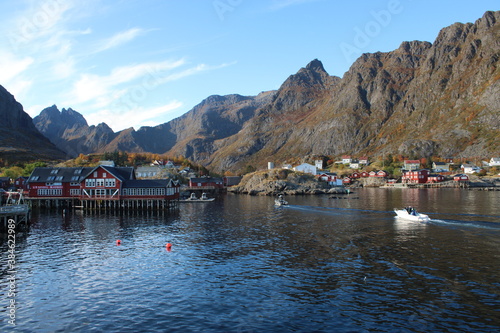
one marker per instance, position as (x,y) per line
(193,198)
(411,214)
(280,201)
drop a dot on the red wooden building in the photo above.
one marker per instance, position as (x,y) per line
(101,183)
(207,182)
(415,177)
(461,178)
(435,178)
(329,177)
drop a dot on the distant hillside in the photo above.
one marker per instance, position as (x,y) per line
(19,139)
(421,99)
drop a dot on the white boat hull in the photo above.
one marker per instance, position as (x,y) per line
(418,217)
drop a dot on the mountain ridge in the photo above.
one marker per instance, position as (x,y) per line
(420,99)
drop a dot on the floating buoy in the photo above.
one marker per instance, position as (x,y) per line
(118,242)
(168,246)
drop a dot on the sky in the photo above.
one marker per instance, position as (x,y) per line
(131,63)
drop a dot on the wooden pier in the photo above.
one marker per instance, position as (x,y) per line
(18,213)
(104,204)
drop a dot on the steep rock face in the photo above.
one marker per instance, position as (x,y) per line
(19,138)
(422,99)
(69,131)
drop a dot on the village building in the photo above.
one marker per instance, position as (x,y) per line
(4,182)
(330,178)
(461,178)
(365,174)
(440,167)
(363,160)
(306,168)
(411,165)
(435,178)
(354,164)
(415,177)
(206,183)
(318,164)
(346,159)
(21,183)
(494,161)
(470,168)
(98,186)
(148,171)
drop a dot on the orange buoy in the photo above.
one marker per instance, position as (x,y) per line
(118,242)
(168,246)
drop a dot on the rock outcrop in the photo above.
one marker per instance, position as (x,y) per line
(19,138)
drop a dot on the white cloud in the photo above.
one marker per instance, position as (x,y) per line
(11,66)
(119,39)
(90,86)
(134,117)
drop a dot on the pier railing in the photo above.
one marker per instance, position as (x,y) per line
(14,209)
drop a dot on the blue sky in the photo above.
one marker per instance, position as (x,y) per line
(133,63)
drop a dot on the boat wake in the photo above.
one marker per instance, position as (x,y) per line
(470,224)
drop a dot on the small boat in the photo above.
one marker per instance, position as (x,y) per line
(280,201)
(193,198)
(410,213)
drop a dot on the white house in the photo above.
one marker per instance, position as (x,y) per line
(287,166)
(147,171)
(354,164)
(495,161)
(318,164)
(363,160)
(470,168)
(346,159)
(306,168)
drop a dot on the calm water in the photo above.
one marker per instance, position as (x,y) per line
(240,264)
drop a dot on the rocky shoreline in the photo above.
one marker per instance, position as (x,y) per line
(288,182)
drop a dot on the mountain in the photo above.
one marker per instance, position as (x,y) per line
(419,100)
(19,138)
(69,131)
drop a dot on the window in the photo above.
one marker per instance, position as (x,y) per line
(100,182)
(50,178)
(78,171)
(49,192)
(54,171)
(59,178)
(104,174)
(74,192)
(110,182)
(90,182)
(75,178)
(95,174)
(35,178)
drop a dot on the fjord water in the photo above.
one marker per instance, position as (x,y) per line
(239,264)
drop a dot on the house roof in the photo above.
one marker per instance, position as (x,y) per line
(205,180)
(147,183)
(411,162)
(62,175)
(121,173)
